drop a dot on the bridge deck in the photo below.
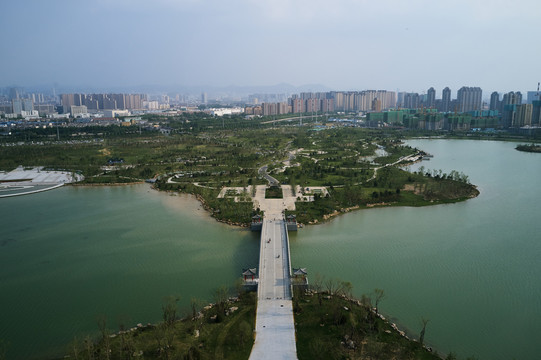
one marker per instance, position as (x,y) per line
(275,329)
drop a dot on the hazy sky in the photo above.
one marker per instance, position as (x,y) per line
(344,44)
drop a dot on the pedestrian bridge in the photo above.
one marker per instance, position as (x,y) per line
(275,328)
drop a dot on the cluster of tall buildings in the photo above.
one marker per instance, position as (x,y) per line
(15,102)
(103,101)
(516,113)
(363,101)
(309,102)
(467,99)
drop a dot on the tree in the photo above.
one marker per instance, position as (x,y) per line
(239,287)
(318,282)
(346,288)
(105,342)
(333,286)
(221,296)
(89,346)
(74,349)
(195,304)
(378,296)
(169,310)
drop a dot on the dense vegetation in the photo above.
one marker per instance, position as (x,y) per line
(529,148)
(356,165)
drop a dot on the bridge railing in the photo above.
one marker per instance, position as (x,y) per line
(288,259)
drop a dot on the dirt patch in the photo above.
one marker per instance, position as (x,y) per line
(415,188)
(378,204)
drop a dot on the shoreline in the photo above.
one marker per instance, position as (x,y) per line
(52,187)
(106,184)
(204,205)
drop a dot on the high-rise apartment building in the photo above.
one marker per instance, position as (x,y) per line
(15,93)
(494,101)
(411,101)
(536,113)
(355,101)
(16,106)
(282,108)
(532,95)
(509,104)
(523,116)
(338,97)
(327,105)
(307,95)
(297,105)
(20,105)
(268,109)
(312,105)
(103,101)
(376,105)
(349,101)
(512,98)
(431,98)
(446,100)
(469,99)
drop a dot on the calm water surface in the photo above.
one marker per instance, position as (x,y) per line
(472,268)
(70,255)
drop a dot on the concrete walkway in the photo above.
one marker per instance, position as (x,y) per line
(275,326)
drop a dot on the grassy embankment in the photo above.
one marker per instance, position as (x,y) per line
(391,187)
(336,327)
(327,327)
(224,331)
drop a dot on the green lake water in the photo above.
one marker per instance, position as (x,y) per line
(472,268)
(70,255)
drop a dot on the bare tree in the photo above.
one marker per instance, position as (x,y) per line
(169,310)
(89,346)
(164,336)
(74,349)
(221,296)
(331,285)
(121,329)
(378,296)
(318,285)
(347,288)
(195,304)
(105,340)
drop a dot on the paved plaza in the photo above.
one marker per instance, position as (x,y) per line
(23,181)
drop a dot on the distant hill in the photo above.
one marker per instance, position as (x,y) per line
(212,91)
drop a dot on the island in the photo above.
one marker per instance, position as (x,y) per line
(534,148)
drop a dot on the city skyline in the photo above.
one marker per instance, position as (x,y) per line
(349,45)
